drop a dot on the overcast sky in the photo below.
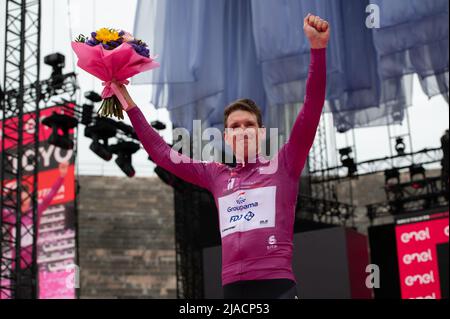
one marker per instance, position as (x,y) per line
(62,20)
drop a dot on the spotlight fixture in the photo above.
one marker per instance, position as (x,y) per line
(445,163)
(2,95)
(101,150)
(65,123)
(347,161)
(102,130)
(445,157)
(124,151)
(397,116)
(127,129)
(400,146)
(391,176)
(93,96)
(86,114)
(57,62)
(417,176)
(88,108)
(159,126)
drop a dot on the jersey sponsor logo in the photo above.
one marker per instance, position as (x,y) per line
(272,241)
(241,207)
(241,198)
(248,217)
(247,210)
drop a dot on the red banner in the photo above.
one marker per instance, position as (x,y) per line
(417,256)
(10,126)
(56,244)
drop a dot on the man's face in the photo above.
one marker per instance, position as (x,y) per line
(243,135)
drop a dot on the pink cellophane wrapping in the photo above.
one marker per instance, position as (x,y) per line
(115,65)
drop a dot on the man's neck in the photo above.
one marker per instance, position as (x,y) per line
(247,159)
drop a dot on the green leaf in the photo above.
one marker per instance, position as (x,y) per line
(81,38)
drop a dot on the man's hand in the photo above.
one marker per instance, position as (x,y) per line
(317,31)
(63,169)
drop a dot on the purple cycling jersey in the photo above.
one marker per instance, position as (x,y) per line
(256,206)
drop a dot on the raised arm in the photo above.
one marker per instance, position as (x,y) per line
(296,150)
(192,171)
(43,205)
(10,216)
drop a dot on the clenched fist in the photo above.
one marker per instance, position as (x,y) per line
(317,31)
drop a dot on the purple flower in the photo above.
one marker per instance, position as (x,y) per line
(92,42)
(141,49)
(114,44)
(93,34)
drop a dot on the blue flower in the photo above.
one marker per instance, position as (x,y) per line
(91,42)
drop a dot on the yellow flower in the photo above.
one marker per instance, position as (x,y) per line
(106,35)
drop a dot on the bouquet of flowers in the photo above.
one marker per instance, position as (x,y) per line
(113,56)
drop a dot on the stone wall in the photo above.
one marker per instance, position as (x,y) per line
(126,238)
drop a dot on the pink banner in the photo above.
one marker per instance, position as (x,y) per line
(56,244)
(417,256)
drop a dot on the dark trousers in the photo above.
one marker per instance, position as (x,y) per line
(261,289)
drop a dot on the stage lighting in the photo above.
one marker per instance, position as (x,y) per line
(88,109)
(445,164)
(400,146)
(124,151)
(445,151)
(157,125)
(345,151)
(397,116)
(63,122)
(391,176)
(127,129)
(417,176)
(347,161)
(57,62)
(86,114)
(93,96)
(102,130)
(101,150)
